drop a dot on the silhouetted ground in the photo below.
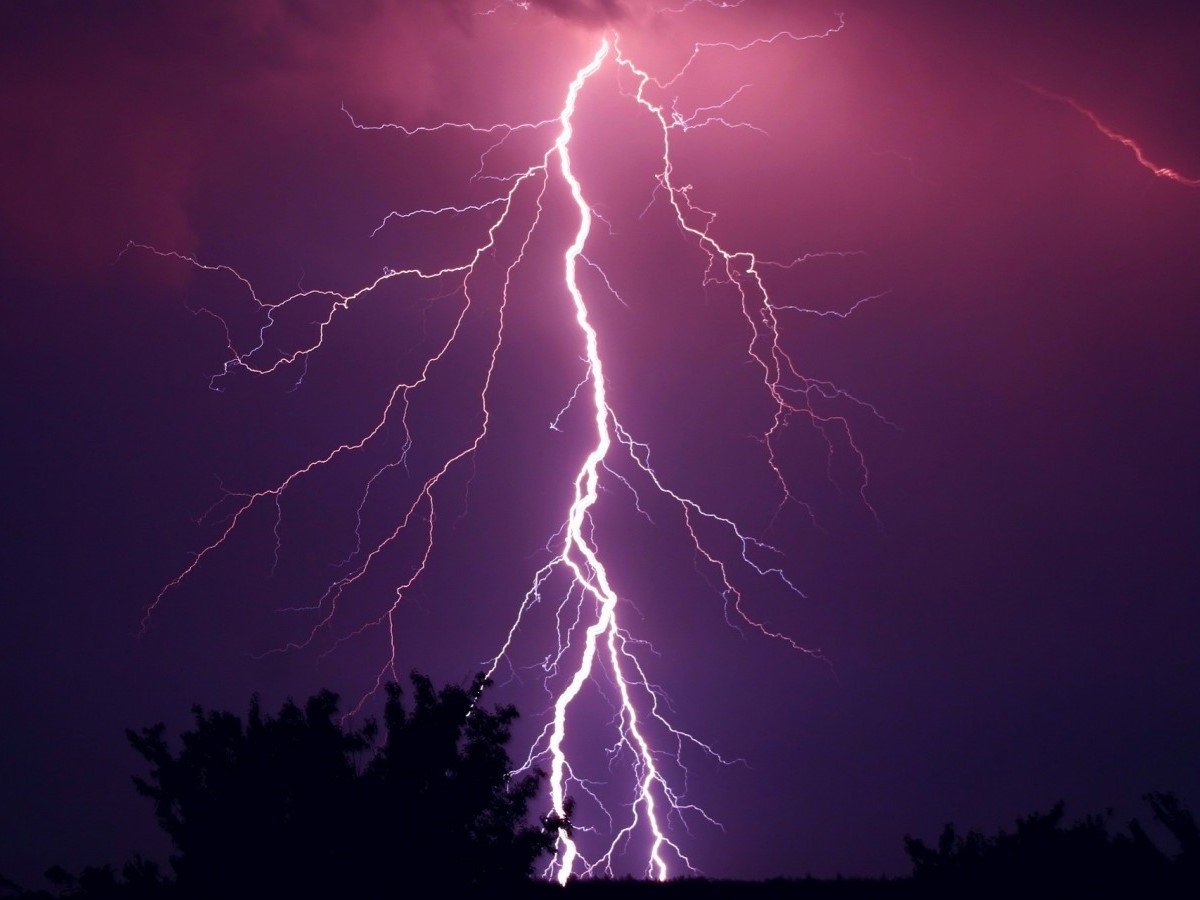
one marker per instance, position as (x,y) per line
(422,805)
(678,889)
(850,888)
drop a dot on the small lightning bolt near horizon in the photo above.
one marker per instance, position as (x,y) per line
(593,646)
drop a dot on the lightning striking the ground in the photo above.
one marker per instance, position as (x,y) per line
(595,649)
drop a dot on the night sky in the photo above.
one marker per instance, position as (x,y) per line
(1003,604)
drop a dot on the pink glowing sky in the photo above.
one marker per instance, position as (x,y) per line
(1018,626)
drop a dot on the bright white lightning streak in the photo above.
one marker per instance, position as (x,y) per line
(603,644)
(580,555)
(591,575)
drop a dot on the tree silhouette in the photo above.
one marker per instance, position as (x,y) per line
(139,879)
(297,804)
(1178,820)
(1043,857)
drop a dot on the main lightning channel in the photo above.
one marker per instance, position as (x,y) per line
(593,648)
(578,553)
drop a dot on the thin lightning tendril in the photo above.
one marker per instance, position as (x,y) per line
(593,647)
(1127,142)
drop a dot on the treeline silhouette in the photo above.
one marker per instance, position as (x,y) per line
(299,805)
(1044,857)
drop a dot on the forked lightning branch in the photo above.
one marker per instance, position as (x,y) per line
(595,649)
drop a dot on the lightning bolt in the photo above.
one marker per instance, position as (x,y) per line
(593,647)
(1127,142)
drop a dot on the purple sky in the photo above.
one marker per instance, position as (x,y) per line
(1020,624)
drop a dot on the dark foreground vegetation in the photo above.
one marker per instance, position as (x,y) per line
(299,806)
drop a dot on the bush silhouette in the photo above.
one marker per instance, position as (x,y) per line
(1043,857)
(299,805)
